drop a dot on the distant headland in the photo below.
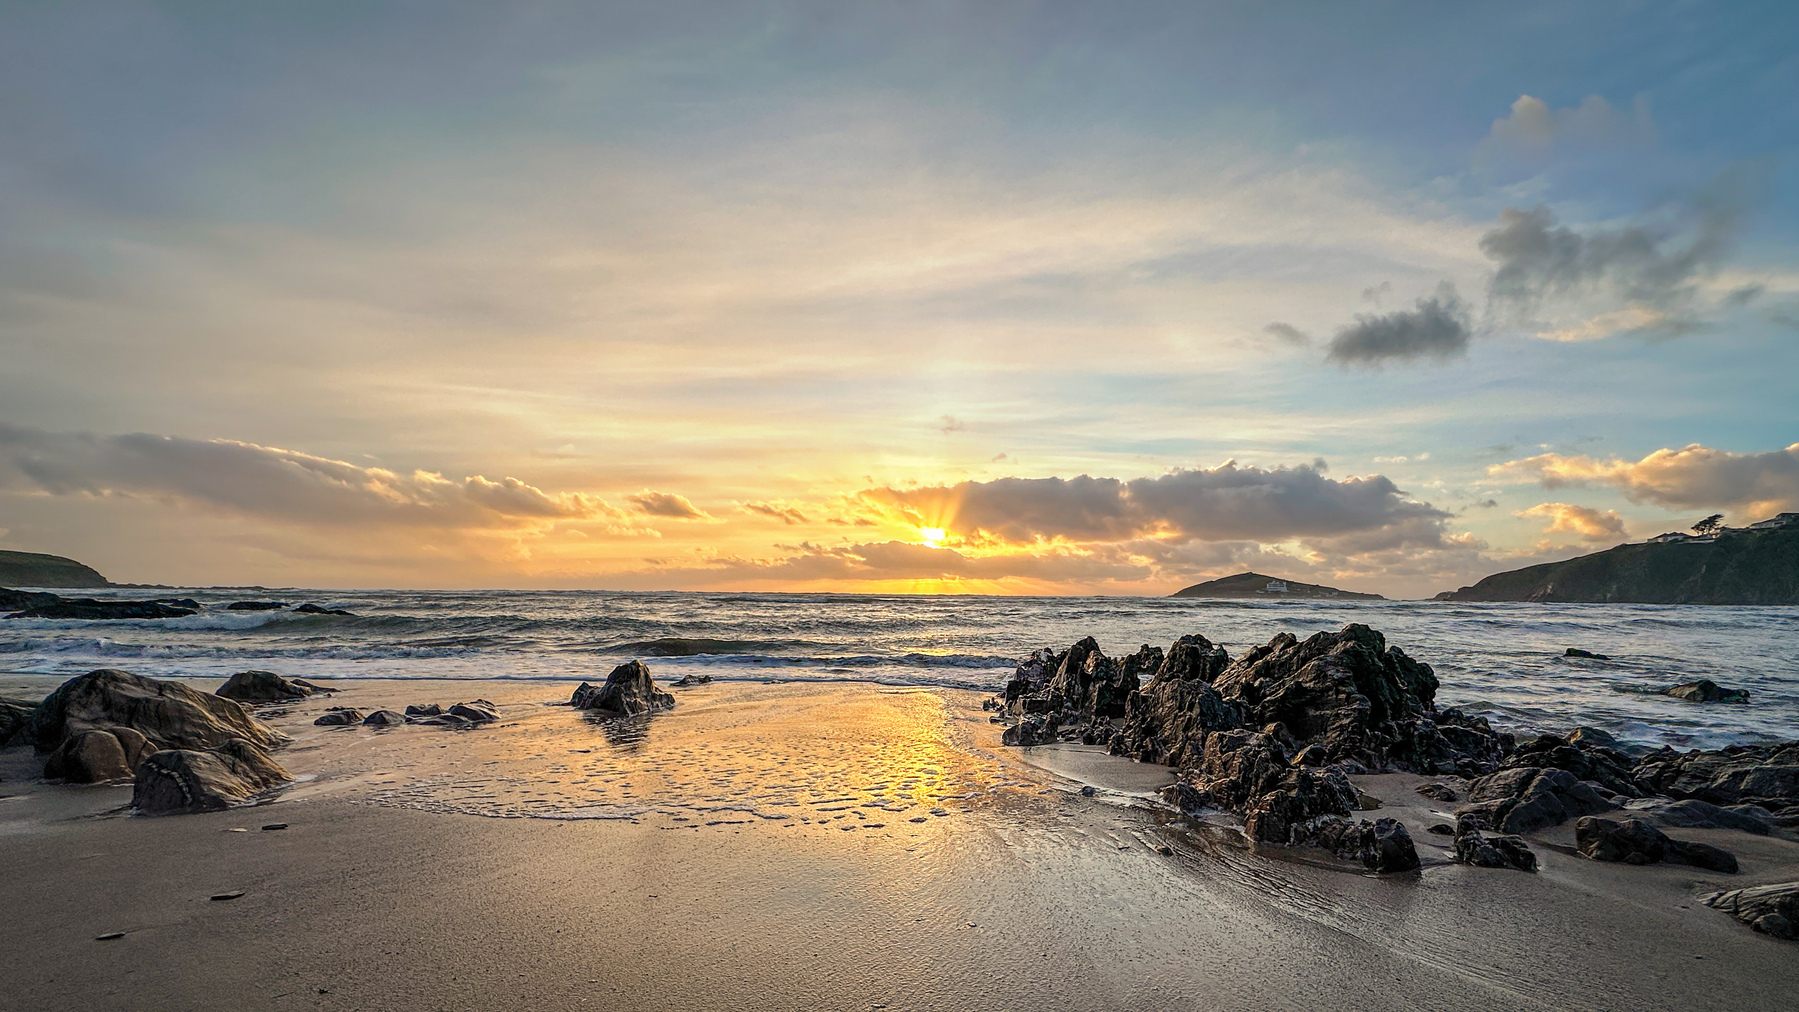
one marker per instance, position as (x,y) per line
(1255,585)
(29,569)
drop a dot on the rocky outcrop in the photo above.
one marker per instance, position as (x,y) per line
(1382,845)
(1695,814)
(475,711)
(1587,654)
(1770,909)
(265,687)
(141,715)
(1179,706)
(89,609)
(1524,800)
(1582,753)
(192,780)
(19,600)
(1764,775)
(1248,772)
(1633,841)
(1080,684)
(312,609)
(628,690)
(1706,691)
(256,606)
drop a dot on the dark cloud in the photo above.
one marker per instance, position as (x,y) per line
(270,482)
(1289,334)
(774,511)
(1435,328)
(667,504)
(1744,295)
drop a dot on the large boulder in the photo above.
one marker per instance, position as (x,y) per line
(1472,847)
(1382,845)
(1633,841)
(1764,775)
(1526,800)
(95,756)
(629,690)
(1769,909)
(478,711)
(191,780)
(166,715)
(15,714)
(262,687)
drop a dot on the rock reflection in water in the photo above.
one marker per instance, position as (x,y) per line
(624,734)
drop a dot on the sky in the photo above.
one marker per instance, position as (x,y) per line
(1028,298)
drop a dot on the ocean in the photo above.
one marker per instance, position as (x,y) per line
(1503,661)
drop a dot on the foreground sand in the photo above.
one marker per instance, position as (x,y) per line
(805,847)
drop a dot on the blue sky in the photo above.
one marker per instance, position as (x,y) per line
(1511,262)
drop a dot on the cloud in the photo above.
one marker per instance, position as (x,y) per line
(1435,328)
(948,424)
(1289,334)
(898,560)
(1695,476)
(1532,132)
(270,482)
(1224,503)
(667,504)
(775,511)
(1589,523)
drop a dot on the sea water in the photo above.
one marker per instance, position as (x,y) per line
(1503,661)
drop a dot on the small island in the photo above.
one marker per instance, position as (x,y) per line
(1255,585)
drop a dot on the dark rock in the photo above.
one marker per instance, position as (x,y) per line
(628,690)
(1167,720)
(1437,792)
(1765,775)
(187,780)
(1706,691)
(1577,652)
(90,610)
(1529,799)
(1481,851)
(312,609)
(478,711)
(1591,737)
(1036,729)
(384,718)
(1581,755)
(423,710)
(1440,829)
(261,687)
(20,600)
(96,756)
(256,605)
(315,687)
(1695,814)
(1770,909)
(165,715)
(687,680)
(1382,845)
(15,715)
(339,716)
(1633,841)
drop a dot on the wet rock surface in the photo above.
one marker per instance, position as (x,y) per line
(339,716)
(140,715)
(628,690)
(1633,841)
(1695,814)
(193,780)
(1472,847)
(1706,691)
(263,687)
(1526,799)
(1770,909)
(1381,846)
(90,609)
(15,714)
(1762,775)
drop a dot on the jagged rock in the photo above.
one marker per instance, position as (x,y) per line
(166,715)
(628,690)
(1096,686)
(424,710)
(1695,814)
(96,756)
(256,605)
(1577,652)
(20,600)
(339,716)
(1382,845)
(1167,720)
(262,687)
(1765,775)
(384,718)
(1591,737)
(1474,848)
(1634,841)
(312,609)
(1580,755)
(1770,909)
(1036,729)
(1438,792)
(1529,799)
(687,680)
(187,780)
(90,610)
(1706,691)
(478,711)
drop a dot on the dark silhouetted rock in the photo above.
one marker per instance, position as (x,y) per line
(1382,845)
(20,600)
(88,609)
(1529,799)
(256,606)
(1472,847)
(1167,720)
(1764,775)
(1695,814)
(1580,754)
(1437,792)
(1633,841)
(1577,652)
(262,687)
(339,716)
(477,711)
(1706,691)
(384,718)
(312,609)
(166,715)
(15,715)
(628,690)
(186,780)
(687,680)
(1036,729)
(1770,909)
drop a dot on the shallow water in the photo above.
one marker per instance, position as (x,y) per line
(1501,660)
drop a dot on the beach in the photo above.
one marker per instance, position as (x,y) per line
(803,845)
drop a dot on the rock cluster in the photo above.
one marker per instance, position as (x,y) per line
(1526,799)
(628,691)
(1769,909)
(1472,847)
(1706,691)
(460,715)
(1763,775)
(1382,845)
(1634,841)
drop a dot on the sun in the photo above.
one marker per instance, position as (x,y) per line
(932,535)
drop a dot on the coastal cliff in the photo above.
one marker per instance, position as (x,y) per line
(1737,567)
(29,569)
(1258,586)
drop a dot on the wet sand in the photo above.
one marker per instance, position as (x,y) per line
(702,860)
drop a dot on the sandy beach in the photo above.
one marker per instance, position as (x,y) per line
(804,846)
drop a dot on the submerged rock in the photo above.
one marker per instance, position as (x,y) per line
(312,609)
(1706,691)
(91,610)
(256,605)
(1577,652)
(1770,909)
(1633,841)
(262,687)
(188,780)
(132,709)
(628,690)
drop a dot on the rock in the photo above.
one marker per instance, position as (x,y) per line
(478,711)
(1764,775)
(312,609)
(1167,720)
(1633,841)
(95,756)
(1529,799)
(1770,909)
(20,600)
(1440,829)
(1577,652)
(1695,814)
(1382,845)
(90,610)
(1584,737)
(628,690)
(384,718)
(1437,792)
(15,715)
(1481,851)
(261,687)
(256,605)
(188,780)
(1581,755)
(424,710)
(339,716)
(164,715)
(1036,729)
(687,680)
(1706,691)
